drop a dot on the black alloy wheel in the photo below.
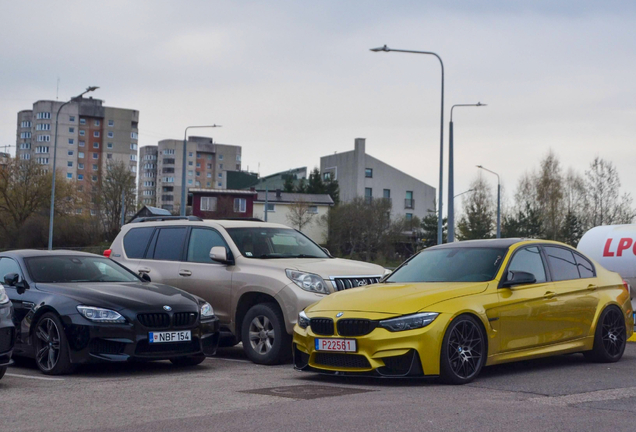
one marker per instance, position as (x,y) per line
(610,337)
(51,349)
(463,351)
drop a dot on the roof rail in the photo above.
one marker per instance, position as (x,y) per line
(166,218)
(252,219)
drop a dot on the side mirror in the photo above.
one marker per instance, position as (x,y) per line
(219,254)
(326,251)
(11,279)
(144,277)
(519,278)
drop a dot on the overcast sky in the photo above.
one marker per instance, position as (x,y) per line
(291,81)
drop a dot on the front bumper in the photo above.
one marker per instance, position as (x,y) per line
(379,353)
(90,342)
(7,334)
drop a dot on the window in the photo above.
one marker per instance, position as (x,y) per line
(208,203)
(169,244)
(190,163)
(80,176)
(109,145)
(528,260)
(80,166)
(238,158)
(71,141)
(168,152)
(197,183)
(93,212)
(80,154)
(43,126)
(168,179)
(133,157)
(82,132)
(97,123)
(69,164)
(82,121)
(25,124)
(25,156)
(95,155)
(109,155)
(94,178)
(70,152)
(71,118)
(208,184)
(209,157)
(271,207)
(43,115)
(189,154)
(94,167)
(220,166)
(134,135)
(201,241)
(209,175)
(111,134)
(409,217)
(409,203)
(78,211)
(198,173)
(368,172)
(198,155)
(312,209)
(44,138)
(71,130)
(240,205)
(220,184)
(96,134)
(42,149)
(82,143)
(190,172)
(198,165)
(42,161)
(368,194)
(220,157)
(386,193)
(209,166)
(133,146)
(95,145)
(562,263)
(111,123)
(25,135)
(25,146)
(586,269)
(190,181)
(69,175)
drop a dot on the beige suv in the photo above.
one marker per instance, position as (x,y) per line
(257,276)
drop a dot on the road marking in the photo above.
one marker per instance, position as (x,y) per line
(34,377)
(595,396)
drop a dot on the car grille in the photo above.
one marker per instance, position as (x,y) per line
(342,360)
(343,283)
(103,346)
(154,320)
(355,327)
(144,348)
(184,319)
(6,339)
(322,326)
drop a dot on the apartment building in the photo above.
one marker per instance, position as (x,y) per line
(361,175)
(89,137)
(207,165)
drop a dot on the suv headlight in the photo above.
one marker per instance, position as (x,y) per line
(303,320)
(101,315)
(4,298)
(308,281)
(206,310)
(409,322)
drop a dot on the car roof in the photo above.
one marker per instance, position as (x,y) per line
(27,253)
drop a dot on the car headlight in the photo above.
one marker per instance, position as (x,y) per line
(100,315)
(409,322)
(4,298)
(303,320)
(206,310)
(308,281)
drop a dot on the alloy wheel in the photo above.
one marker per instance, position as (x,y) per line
(465,349)
(48,344)
(613,333)
(261,334)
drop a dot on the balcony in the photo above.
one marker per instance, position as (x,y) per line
(409,203)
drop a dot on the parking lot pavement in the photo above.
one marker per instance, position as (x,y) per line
(228,393)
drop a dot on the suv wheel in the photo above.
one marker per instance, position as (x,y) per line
(265,339)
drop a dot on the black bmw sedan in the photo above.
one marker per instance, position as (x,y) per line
(7,331)
(72,308)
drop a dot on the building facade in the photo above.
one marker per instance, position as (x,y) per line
(89,137)
(223,203)
(361,175)
(147,181)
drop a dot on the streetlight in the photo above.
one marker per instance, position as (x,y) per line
(89,89)
(451,173)
(498,200)
(441,136)
(184,201)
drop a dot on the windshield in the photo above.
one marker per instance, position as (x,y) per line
(274,243)
(460,264)
(68,268)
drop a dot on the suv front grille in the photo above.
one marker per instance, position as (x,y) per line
(322,326)
(342,360)
(355,327)
(154,320)
(343,283)
(184,319)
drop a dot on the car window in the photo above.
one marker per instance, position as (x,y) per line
(201,241)
(136,240)
(562,263)
(528,260)
(73,269)
(8,266)
(169,245)
(586,269)
(263,242)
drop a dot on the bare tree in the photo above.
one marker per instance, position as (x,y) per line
(118,181)
(549,192)
(605,205)
(478,220)
(299,215)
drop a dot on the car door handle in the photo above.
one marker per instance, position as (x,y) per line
(549,294)
(591,287)
(185,272)
(28,305)
(144,270)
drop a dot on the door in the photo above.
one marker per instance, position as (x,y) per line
(527,312)
(23,302)
(164,255)
(575,286)
(201,276)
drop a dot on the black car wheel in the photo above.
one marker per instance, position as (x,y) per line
(3,369)
(610,337)
(188,361)
(463,351)
(51,347)
(265,339)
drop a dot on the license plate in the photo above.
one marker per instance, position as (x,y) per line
(338,345)
(170,336)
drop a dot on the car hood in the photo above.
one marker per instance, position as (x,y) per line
(137,296)
(328,267)
(394,298)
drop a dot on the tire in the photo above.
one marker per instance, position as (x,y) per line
(188,361)
(51,347)
(265,338)
(3,369)
(610,337)
(464,351)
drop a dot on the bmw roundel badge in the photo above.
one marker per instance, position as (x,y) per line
(167,308)
(339,314)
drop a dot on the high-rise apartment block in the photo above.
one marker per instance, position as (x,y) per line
(161,169)
(89,137)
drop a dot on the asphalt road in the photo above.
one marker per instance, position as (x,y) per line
(228,393)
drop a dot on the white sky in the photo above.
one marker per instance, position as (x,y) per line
(291,81)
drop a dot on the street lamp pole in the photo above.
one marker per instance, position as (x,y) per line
(57,116)
(184,200)
(498,199)
(451,173)
(441,137)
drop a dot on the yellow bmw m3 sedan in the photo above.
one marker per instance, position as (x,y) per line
(454,308)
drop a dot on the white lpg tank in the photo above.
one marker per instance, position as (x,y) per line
(614,247)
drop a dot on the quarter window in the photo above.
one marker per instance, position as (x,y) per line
(562,264)
(136,240)
(586,269)
(528,260)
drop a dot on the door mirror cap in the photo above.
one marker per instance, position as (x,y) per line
(519,278)
(11,279)
(219,254)
(144,277)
